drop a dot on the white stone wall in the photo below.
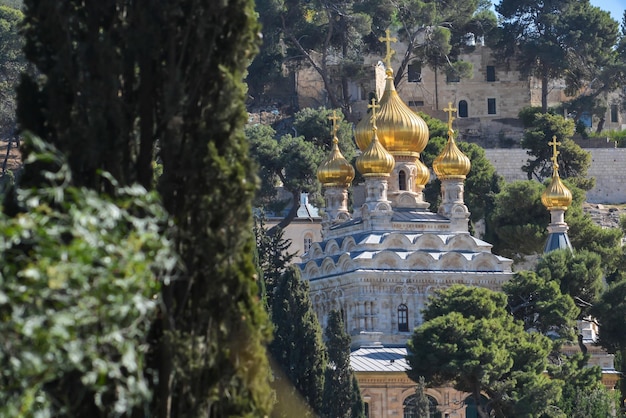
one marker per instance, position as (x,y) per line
(607,166)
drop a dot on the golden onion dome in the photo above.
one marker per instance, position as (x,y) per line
(422,174)
(400,130)
(451,163)
(375,160)
(556,195)
(335,171)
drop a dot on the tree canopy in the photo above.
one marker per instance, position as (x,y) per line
(298,348)
(554,39)
(539,130)
(292,161)
(342,397)
(116,78)
(470,341)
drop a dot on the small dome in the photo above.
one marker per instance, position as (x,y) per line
(422,174)
(375,160)
(400,130)
(451,163)
(335,171)
(556,195)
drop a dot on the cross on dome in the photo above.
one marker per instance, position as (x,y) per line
(450,110)
(554,143)
(334,119)
(373,106)
(388,40)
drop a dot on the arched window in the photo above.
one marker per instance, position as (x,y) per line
(308,240)
(471,410)
(402,180)
(463,109)
(403,318)
(411,408)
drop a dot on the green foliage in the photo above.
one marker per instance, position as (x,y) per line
(517,225)
(316,30)
(12,63)
(573,161)
(273,255)
(435,31)
(610,311)
(539,303)
(422,404)
(297,348)
(578,274)
(584,395)
(78,293)
(342,399)
(293,161)
(546,39)
(470,341)
(114,79)
(315,127)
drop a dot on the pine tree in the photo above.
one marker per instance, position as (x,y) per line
(340,399)
(297,348)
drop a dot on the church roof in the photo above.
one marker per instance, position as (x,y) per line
(379,358)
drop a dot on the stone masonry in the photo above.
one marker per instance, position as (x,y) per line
(607,166)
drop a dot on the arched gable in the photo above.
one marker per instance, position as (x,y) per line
(387,259)
(462,242)
(420,260)
(395,240)
(429,242)
(453,261)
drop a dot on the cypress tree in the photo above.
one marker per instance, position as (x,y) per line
(422,404)
(297,348)
(119,75)
(342,398)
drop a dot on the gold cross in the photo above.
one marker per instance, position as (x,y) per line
(450,110)
(388,40)
(373,106)
(554,144)
(334,118)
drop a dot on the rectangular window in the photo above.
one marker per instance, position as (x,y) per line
(614,114)
(491,73)
(416,103)
(452,78)
(491,106)
(414,73)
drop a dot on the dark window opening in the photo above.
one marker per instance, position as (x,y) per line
(411,408)
(614,114)
(403,318)
(491,73)
(491,106)
(453,78)
(416,103)
(463,113)
(402,180)
(414,73)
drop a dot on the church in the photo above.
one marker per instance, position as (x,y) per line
(378,264)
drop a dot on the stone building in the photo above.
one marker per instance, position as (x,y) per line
(487,103)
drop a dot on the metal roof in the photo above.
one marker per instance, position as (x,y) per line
(378,358)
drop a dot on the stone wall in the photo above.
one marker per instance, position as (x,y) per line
(607,166)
